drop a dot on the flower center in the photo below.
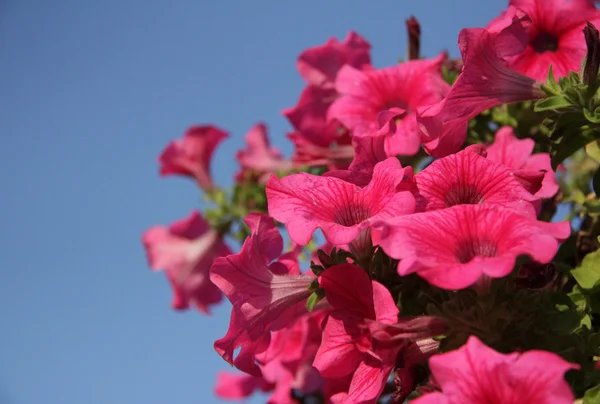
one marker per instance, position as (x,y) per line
(462,194)
(469,249)
(396,103)
(351,214)
(544,42)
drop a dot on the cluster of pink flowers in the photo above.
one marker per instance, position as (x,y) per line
(338,332)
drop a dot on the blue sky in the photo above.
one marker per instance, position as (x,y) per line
(90,93)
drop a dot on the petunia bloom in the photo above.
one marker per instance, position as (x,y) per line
(346,347)
(265,296)
(317,141)
(485,82)
(469,178)
(516,155)
(368,151)
(235,386)
(476,374)
(389,98)
(555,36)
(259,157)
(342,210)
(467,242)
(191,155)
(185,250)
(319,65)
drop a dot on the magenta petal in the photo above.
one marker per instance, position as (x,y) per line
(337,355)
(191,155)
(262,300)
(234,386)
(270,241)
(368,382)
(468,178)
(533,171)
(388,98)
(486,81)
(477,374)
(319,65)
(306,202)
(467,242)
(186,250)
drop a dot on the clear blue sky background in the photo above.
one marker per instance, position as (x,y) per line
(90,93)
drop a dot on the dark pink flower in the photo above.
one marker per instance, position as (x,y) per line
(288,360)
(319,65)
(453,248)
(368,151)
(555,36)
(476,374)
(191,155)
(318,142)
(469,178)
(264,296)
(389,98)
(186,250)
(235,386)
(259,157)
(516,155)
(347,347)
(485,82)
(340,209)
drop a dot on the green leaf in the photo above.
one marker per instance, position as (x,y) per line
(592,206)
(314,298)
(552,103)
(588,273)
(551,87)
(593,150)
(579,299)
(592,396)
(592,117)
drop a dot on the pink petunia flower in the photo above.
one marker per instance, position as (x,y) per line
(320,65)
(259,157)
(476,374)
(191,155)
(485,82)
(516,155)
(555,36)
(347,347)
(264,295)
(368,151)
(469,178)
(343,211)
(317,141)
(389,98)
(186,250)
(288,360)
(453,248)
(235,386)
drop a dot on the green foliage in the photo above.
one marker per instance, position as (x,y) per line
(587,274)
